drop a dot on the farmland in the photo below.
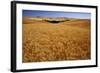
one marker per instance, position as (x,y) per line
(44,40)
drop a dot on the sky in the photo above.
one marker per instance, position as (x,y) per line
(55,14)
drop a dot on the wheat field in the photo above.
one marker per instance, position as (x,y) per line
(44,41)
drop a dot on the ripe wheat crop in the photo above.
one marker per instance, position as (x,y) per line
(44,41)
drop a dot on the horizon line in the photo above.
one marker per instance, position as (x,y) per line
(54,17)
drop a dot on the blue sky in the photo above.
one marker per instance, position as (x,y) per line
(35,13)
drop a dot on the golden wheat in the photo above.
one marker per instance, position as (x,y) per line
(43,41)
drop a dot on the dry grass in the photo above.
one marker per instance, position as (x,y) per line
(44,41)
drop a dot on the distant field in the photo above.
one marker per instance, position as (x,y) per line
(47,41)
